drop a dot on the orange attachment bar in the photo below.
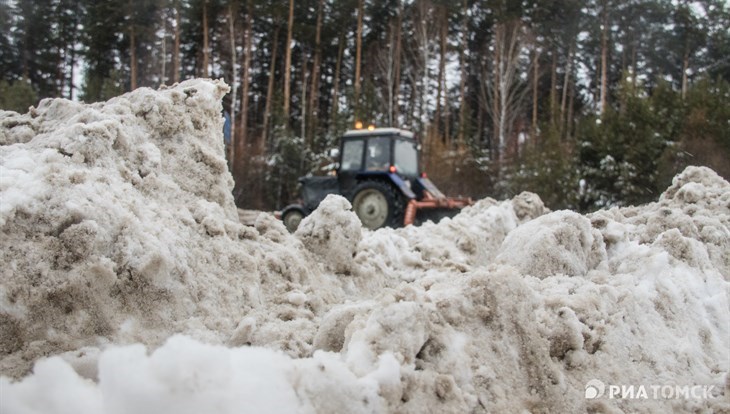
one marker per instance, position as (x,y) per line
(430,202)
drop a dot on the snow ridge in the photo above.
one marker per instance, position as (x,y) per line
(128,285)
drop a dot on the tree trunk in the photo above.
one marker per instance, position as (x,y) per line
(503,84)
(132,59)
(569,124)
(61,72)
(481,112)
(336,81)
(496,151)
(60,80)
(163,66)
(554,87)
(176,48)
(314,87)
(624,73)
(72,52)
(566,80)
(422,39)
(509,100)
(71,75)
(685,67)
(270,87)
(287,62)
(442,70)
(624,59)
(535,85)
(604,57)
(304,101)
(412,105)
(385,62)
(358,57)
(633,67)
(462,80)
(206,46)
(245,82)
(396,63)
(447,115)
(234,84)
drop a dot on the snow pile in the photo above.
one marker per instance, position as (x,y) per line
(471,238)
(119,234)
(559,243)
(118,227)
(332,233)
(186,376)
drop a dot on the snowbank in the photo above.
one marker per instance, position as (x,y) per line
(118,227)
(128,285)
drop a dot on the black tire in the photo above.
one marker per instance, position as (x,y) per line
(378,204)
(292,218)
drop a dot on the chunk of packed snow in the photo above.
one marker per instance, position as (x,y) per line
(128,285)
(185,376)
(562,242)
(332,232)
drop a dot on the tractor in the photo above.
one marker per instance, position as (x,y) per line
(378,171)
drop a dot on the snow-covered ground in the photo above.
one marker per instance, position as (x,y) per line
(128,285)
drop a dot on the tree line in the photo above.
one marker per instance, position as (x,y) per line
(588,103)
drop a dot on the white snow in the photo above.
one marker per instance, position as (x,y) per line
(128,285)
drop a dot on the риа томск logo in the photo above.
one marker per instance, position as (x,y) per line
(597,389)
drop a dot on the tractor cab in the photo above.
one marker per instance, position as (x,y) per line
(379,172)
(376,153)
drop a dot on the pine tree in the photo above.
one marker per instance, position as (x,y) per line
(37,45)
(9,59)
(717,59)
(140,29)
(103,25)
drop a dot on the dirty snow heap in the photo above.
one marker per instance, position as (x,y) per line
(128,285)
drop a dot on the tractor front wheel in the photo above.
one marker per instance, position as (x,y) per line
(377,204)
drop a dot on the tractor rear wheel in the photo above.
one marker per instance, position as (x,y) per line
(377,204)
(291,219)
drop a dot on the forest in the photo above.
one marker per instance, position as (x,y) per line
(590,103)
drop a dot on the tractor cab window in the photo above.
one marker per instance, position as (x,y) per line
(406,157)
(352,155)
(378,155)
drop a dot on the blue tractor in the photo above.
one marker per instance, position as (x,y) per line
(378,171)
